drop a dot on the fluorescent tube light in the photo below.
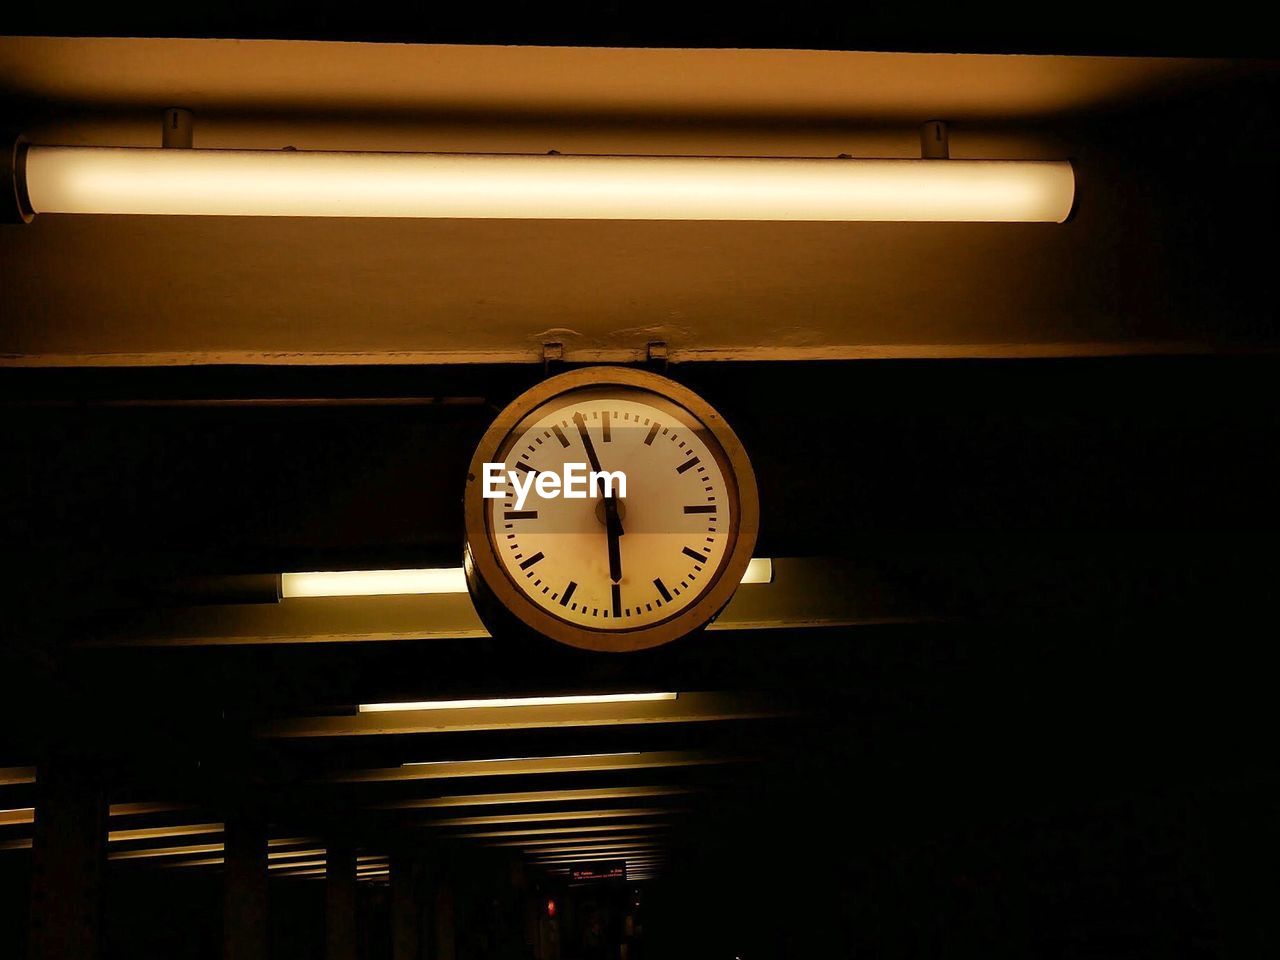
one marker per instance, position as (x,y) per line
(373,583)
(552,816)
(759,570)
(381,583)
(534,796)
(516,702)
(289,183)
(588,763)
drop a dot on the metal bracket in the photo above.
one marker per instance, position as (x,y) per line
(935,142)
(552,358)
(656,356)
(15,205)
(179,128)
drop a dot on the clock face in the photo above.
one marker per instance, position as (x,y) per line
(642,561)
(675,516)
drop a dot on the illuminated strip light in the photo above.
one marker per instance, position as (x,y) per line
(372,583)
(631,861)
(534,796)
(151,833)
(381,583)
(20,815)
(366,863)
(485,704)
(621,850)
(551,816)
(523,766)
(563,756)
(289,183)
(587,838)
(612,851)
(561,831)
(147,852)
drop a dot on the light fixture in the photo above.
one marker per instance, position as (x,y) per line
(550,816)
(179,851)
(428,580)
(563,831)
(176,830)
(563,756)
(527,766)
(296,183)
(484,704)
(600,858)
(617,851)
(534,796)
(759,570)
(19,815)
(372,583)
(557,839)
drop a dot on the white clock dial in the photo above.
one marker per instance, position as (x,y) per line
(673,524)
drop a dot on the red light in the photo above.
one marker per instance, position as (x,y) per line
(551,908)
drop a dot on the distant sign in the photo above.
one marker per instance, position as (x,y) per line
(596,872)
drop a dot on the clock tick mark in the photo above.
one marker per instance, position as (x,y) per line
(568,592)
(688,552)
(688,464)
(652,432)
(525,565)
(662,588)
(697,508)
(564,441)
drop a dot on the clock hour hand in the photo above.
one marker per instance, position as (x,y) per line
(613,529)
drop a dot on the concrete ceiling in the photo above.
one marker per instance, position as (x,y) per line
(1126,274)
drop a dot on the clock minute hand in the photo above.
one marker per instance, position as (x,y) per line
(586,442)
(613,523)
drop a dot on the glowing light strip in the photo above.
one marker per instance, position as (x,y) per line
(288,183)
(562,831)
(534,796)
(430,580)
(552,816)
(588,838)
(565,756)
(373,583)
(484,704)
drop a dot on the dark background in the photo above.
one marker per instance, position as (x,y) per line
(1225,29)
(1068,752)
(1078,760)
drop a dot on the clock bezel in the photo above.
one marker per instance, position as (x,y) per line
(489,581)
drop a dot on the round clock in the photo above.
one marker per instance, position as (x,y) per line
(610,509)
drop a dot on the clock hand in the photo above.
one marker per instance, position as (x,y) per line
(586,442)
(612,522)
(613,529)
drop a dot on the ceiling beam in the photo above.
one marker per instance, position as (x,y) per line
(533,796)
(805,592)
(530,766)
(551,816)
(687,708)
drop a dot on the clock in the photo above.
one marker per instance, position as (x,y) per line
(649,553)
